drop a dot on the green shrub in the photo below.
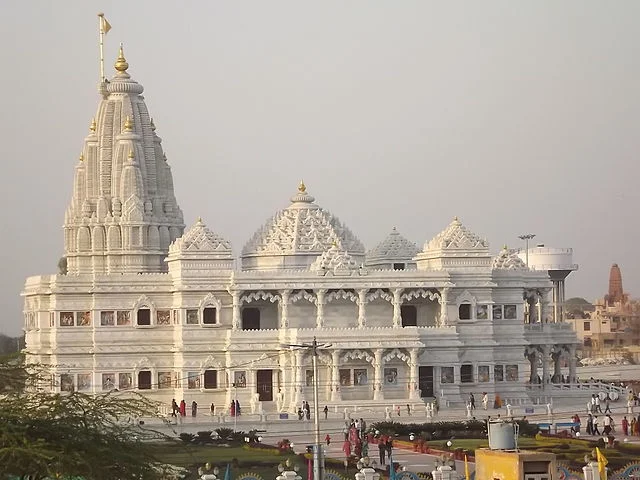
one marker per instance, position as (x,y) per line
(224,433)
(187,437)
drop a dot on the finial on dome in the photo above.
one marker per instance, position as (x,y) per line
(93,126)
(121,64)
(153,126)
(302,187)
(504,247)
(128,124)
(131,154)
(199,220)
(81,157)
(455,219)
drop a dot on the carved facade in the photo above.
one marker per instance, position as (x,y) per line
(397,324)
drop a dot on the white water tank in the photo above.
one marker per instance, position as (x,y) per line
(502,435)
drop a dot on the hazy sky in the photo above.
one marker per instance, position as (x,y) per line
(516,116)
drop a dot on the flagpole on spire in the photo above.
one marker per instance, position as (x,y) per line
(104,27)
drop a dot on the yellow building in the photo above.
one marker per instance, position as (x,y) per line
(514,465)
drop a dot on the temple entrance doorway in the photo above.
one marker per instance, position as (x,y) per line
(425,381)
(264,385)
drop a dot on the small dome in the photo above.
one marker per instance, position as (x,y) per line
(295,236)
(393,249)
(335,260)
(456,236)
(508,260)
(200,239)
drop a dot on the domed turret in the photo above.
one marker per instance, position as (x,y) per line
(200,250)
(295,236)
(508,260)
(456,247)
(394,252)
(123,189)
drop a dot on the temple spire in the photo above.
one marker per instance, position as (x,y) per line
(121,64)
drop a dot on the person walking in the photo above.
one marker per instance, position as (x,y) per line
(328,439)
(595,430)
(194,408)
(607,407)
(408,409)
(326,412)
(472,401)
(381,451)
(485,400)
(625,426)
(589,424)
(398,410)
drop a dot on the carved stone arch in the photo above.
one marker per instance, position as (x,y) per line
(466,297)
(358,355)
(323,357)
(144,302)
(379,293)
(303,295)
(260,295)
(210,362)
(396,353)
(209,300)
(265,360)
(420,293)
(144,363)
(341,294)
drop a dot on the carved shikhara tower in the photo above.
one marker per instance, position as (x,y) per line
(123,213)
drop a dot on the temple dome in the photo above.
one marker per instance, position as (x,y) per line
(200,239)
(454,248)
(200,250)
(508,260)
(295,236)
(335,260)
(456,236)
(395,249)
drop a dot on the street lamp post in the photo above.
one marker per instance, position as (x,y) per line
(317,450)
(526,237)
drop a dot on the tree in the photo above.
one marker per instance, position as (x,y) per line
(52,435)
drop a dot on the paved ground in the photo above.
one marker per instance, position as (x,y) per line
(301,433)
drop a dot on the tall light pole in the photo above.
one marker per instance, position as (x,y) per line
(526,237)
(317,448)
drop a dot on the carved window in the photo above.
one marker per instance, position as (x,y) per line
(83,319)
(251,318)
(511,373)
(587,342)
(164,380)
(498,373)
(464,311)
(193,380)
(108,381)
(308,378)
(587,326)
(163,317)
(497,312)
(446,375)
(209,316)
(67,382)
(123,318)
(124,381)
(510,312)
(483,373)
(144,316)
(107,319)
(466,373)
(409,315)
(345,377)
(210,379)
(399,266)
(144,380)
(67,319)
(482,312)
(192,317)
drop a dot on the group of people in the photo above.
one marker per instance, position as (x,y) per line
(304,411)
(355,440)
(608,425)
(234,409)
(471,402)
(182,408)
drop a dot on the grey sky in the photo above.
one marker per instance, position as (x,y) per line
(515,116)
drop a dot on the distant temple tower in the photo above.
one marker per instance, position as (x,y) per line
(123,213)
(616,294)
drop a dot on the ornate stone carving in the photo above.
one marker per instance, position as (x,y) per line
(343,294)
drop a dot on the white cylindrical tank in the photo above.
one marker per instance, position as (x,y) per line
(547,258)
(502,435)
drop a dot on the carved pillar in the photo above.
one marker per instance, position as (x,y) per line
(532,356)
(320,301)
(236,319)
(572,363)
(336,395)
(557,372)
(539,308)
(545,364)
(444,315)
(362,307)
(298,382)
(284,308)
(378,393)
(397,316)
(413,375)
